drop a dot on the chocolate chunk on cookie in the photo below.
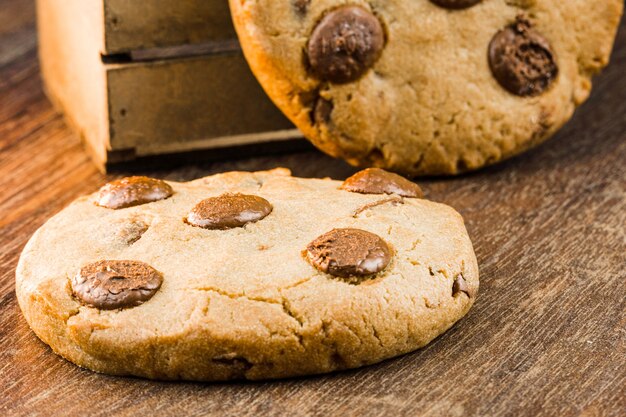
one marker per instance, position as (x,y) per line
(379,181)
(460,286)
(132,191)
(349,252)
(522,60)
(456,4)
(322,111)
(345,44)
(228,211)
(109,285)
(301,6)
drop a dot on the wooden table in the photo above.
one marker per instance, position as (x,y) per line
(546,336)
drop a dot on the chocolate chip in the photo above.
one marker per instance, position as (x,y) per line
(349,252)
(228,211)
(108,285)
(522,60)
(455,4)
(132,191)
(345,44)
(322,111)
(379,181)
(301,6)
(460,285)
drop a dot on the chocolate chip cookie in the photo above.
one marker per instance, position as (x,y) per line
(427,86)
(246,275)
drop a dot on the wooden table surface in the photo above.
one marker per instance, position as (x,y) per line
(547,335)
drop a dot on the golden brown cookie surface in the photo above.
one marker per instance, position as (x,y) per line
(427,86)
(329,279)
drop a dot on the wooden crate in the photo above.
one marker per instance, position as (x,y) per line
(143,78)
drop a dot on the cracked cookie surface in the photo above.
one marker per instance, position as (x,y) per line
(449,86)
(244,302)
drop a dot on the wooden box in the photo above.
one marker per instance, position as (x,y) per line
(143,78)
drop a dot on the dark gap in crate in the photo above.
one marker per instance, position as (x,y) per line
(123,58)
(174,52)
(118,164)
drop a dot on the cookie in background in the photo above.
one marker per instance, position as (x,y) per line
(427,87)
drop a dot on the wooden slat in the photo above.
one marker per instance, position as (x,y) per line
(185,104)
(131,25)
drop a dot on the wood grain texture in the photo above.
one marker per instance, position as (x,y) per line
(547,335)
(131,25)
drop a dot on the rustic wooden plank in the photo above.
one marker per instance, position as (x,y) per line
(131,25)
(187,104)
(125,26)
(547,335)
(72,69)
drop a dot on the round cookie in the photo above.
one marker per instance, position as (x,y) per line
(273,276)
(426,86)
